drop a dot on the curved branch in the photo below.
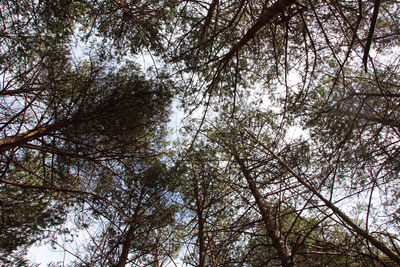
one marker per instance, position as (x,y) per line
(377,3)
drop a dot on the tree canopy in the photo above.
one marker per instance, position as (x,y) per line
(286,153)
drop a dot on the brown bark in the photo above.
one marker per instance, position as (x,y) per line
(130,235)
(273,231)
(356,228)
(202,245)
(20,139)
(265,18)
(10,142)
(201,222)
(126,245)
(377,3)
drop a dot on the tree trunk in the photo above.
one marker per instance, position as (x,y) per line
(273,231)
(201,234)
(359,230)
(126,246)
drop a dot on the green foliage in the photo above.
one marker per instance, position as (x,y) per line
(80,118)
(141,199)
(314,244)
(28,214)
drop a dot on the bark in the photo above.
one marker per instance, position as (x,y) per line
(201,221)
(377,3)
(130,235)
(20,139)
(202,245)
(265,18)
(126,245)
(356,228)
(274,233)
(10,142)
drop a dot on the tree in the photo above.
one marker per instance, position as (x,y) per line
(274,189)
(76,119)
(247,73)
(27,215)
(211,209)
(134,224)
(303,40)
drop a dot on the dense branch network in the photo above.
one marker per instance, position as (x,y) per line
(288,153)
